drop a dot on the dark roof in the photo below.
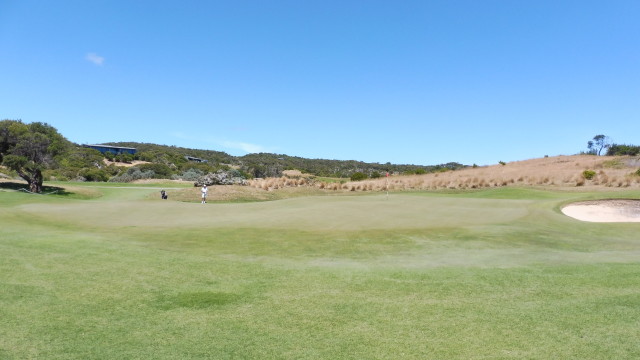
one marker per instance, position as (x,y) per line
(112,147)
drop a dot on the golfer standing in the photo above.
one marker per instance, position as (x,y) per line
(204,193)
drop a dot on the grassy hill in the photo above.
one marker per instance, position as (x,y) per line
(591,171)
(272,165)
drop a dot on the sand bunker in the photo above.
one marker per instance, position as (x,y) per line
(604,210)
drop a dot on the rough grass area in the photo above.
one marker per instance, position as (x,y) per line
(557,171)
(498,273)
(238,193)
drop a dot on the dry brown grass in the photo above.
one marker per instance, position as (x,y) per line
(279,183)
(133,163)
(558,171)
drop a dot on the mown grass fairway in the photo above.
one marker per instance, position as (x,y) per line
(492,274)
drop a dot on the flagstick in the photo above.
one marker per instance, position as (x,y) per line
(387,185)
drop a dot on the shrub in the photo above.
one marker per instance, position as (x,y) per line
(125,158)
(93,174)
(502,163)
(160,170)
(132,174)
(616,149)
(112,170)
(637,172)
(588,174)
(358,176)
(192,174)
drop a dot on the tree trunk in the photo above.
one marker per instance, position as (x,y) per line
(36,183)
(34,179)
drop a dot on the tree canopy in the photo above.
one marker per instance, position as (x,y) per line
(599,143)
(28,149)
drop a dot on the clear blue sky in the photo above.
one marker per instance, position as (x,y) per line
(408,82)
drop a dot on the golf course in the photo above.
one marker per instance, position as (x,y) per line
(113,272)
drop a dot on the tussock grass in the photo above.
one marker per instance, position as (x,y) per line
(559,171)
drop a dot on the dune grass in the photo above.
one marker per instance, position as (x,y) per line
(558,171)
(497,273)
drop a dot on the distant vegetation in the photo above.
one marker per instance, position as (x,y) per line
(37,152)
(598,143)
(556,171)
(263,165)
(616,150)
(603,142)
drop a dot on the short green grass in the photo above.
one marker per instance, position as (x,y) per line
(115,272)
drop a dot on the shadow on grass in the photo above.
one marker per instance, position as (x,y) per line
(46,190)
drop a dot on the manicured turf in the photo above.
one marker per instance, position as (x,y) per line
(104,273)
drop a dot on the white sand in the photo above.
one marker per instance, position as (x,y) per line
(605,211)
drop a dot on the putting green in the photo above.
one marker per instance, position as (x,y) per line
(311,213)
(497,273)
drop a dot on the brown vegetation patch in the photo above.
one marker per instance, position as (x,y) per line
(133,163)
(558,171)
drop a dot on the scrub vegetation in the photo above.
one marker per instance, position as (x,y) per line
(591,171)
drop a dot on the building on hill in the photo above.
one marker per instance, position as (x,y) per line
(195,159)
(112,149)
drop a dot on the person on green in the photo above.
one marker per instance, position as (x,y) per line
(204,193)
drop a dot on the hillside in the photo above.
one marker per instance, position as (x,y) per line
(558,171)
(272,165)
(59,159)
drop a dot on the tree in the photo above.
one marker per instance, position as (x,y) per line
(30,148)
(358,176)
(599,143)
(616,149)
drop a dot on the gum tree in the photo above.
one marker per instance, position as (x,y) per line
(599,143)
(29,148)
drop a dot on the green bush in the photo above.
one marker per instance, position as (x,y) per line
(358,176)
(203,167)
(132,174)
(80,157)
(112,170)
(637,172)
(94,174)
(191,174)
(125,158)
(616,149)
(588,174)
(160,170)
